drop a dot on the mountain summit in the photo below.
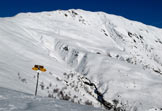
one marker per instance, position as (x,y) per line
(122,57)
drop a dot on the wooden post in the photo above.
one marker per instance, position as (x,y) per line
(37,84)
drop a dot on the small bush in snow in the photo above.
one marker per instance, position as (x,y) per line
(42,85)
(23,80)
(88,102)
(56,90)
(66,97)
(50,95)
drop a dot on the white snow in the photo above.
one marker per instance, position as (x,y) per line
(17,101)
(122,57)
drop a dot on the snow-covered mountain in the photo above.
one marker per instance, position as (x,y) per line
(122,57)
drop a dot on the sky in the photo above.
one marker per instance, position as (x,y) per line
(146,11)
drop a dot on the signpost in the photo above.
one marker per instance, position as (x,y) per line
(38,68)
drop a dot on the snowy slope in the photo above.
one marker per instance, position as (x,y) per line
(122,57)
(16,101)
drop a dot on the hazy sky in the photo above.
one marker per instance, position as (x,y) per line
(146,11)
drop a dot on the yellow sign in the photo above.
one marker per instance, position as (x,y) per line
(39,67)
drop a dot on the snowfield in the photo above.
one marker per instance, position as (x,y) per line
(16,101)
(122,57)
